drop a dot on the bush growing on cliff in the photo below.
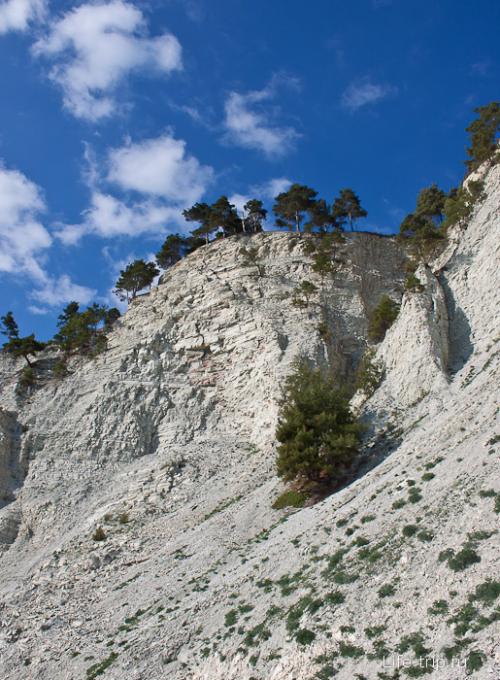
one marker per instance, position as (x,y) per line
(484,132)
(382,318)
(369,374)
(317,433)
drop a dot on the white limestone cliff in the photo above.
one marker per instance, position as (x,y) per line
(166,441)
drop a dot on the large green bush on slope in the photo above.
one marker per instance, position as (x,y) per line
(317,433)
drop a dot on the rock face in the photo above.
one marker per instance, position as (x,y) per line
(166,442)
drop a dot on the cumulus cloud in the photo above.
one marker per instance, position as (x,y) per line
(24,241)
(160,170)
(95,46)
(364,92)
(160,167)
(17,15)
(55,291)
(108,216)
(22,235)
(249,122)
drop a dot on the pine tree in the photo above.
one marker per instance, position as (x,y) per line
(223,215)
(322,218)
(136,276)
(19,346)
(347,208)
(172,250)
(484,132)
(201,213)
(317,433)
(382,318)
(291,206)
(255,215)
(430,204)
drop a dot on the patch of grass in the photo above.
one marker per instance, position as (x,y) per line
(463,559)
(374,631)
(387,590)
(480,535)
(295,613)
(400,503)
(370,555)
(123,518)
(427,476)
(99,668)
(304,636)
(487,493)
(486,592)
(342,522)
(475,660)
(231,618)
(361,541)
(414,495)
(433,463)
(335,597)
(415,642)
(367,518)
(343,577)
(438,608)
(425,536)
(410,530)
(452,651)
(290,499)
(350,651)
(256,634)
(463,619)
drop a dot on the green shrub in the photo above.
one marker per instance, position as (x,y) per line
(475,661)
(290,499)
(386,590)
(460,560)
(123,518)
(302,294)
(304,636)
(410,530)
(486,592)
(369,374)
(382,318)
(413,284)
(28,377)
(318,435)
(438,607)
(350,651)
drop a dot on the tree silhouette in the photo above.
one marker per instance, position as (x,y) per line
(291,206)
(347,208)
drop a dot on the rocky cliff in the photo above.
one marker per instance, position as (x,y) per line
(166,442)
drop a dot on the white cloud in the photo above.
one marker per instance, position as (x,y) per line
(249,123)
(24,240)
(364,92)
(17,15)
(272,187)
(160,167)
(264,192)
(57,291)
(38,311)
(167,178)
(95,46)
(22,236)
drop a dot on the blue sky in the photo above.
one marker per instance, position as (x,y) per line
(116,115)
